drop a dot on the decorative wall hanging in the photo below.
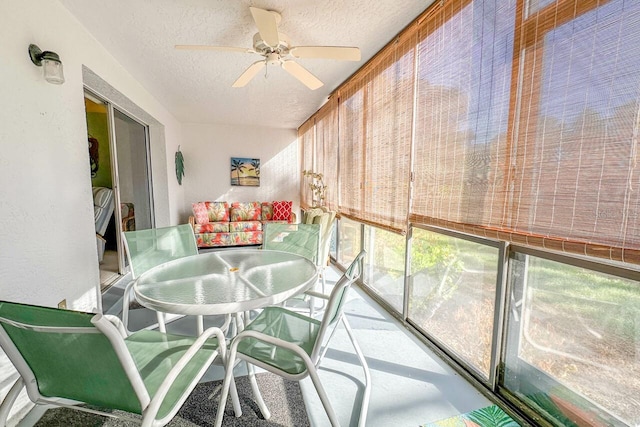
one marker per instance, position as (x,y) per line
(94,155)
(245,171)
(179,166)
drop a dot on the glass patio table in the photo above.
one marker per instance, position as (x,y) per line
(224,282)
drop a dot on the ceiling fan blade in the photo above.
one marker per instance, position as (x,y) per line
(267,24)
(248,74)
(343,53)
(302,74)
(218,48)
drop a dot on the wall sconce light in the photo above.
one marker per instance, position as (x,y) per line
(50,61)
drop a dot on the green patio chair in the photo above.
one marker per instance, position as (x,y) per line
(149,248)
(325,219)
(69,358)
(292,345)
(300,239)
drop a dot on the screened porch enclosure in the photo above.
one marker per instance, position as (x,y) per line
(492,146)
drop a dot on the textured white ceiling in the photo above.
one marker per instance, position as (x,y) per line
(196,85)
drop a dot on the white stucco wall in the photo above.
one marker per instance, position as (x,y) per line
(47,240)
(46,189)
(207,151)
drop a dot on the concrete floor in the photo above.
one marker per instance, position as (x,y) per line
(411,386)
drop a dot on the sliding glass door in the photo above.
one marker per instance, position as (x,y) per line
(134,175)
(121,181)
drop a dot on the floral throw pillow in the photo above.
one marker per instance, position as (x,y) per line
(200,212)
(267,211)
(217,211)
(282,210)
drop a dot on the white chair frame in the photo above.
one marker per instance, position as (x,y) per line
(115,332)
(311,362)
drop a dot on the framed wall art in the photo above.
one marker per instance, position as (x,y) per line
(245,172)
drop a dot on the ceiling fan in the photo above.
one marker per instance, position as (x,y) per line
(276,49)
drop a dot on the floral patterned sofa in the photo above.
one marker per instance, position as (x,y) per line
(219,224)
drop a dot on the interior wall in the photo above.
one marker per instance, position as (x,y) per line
(207,150)
(98,134)
(47,234)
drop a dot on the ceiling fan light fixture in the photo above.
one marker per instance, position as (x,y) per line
(273,59)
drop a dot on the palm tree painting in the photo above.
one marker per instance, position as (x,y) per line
(245,171)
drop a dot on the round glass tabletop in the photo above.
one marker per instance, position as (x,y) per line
(225,282)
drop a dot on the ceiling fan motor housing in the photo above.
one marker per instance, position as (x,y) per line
(262,48)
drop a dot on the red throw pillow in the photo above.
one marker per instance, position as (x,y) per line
(282,210)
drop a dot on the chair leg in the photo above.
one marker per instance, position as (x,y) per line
(235,400)
(256,392)
(326,345)
(226,385)
(9,400)
(367,375)
(323,395)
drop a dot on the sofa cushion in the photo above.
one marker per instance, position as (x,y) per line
(229,239)
(245,211)
(218,211)
(200,213)
(245,226)
(207,240)
(205,212)
(247,238)
(211,227)
(282,210)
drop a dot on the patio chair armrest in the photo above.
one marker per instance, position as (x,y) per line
(155,403)
(317,295)
(115,320)
(275,341)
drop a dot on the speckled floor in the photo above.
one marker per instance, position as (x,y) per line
(282,397)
